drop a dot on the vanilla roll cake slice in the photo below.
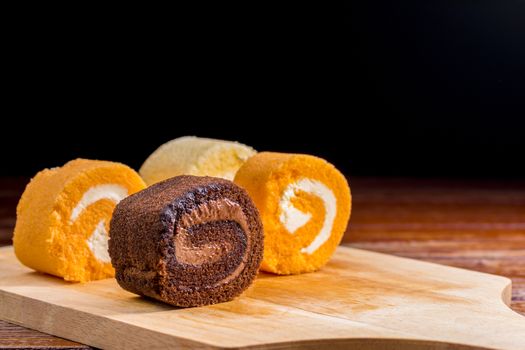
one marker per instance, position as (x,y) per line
(191,155)
(63,218)
(187,241)
(304,203)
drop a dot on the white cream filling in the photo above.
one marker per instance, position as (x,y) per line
(293,219)
(98,240)
(113,192)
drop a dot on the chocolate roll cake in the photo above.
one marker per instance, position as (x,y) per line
(187,241)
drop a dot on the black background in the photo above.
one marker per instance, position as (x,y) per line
(425,88)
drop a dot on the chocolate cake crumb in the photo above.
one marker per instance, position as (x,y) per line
(187,241)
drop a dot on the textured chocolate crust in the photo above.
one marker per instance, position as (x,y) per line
(218,259)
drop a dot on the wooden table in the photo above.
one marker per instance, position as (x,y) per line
(478,225)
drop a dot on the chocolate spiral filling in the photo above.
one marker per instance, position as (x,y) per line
(211,237)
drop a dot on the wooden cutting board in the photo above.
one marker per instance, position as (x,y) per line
(361,299)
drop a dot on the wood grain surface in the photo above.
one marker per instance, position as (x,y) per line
(478,225)
(358,298)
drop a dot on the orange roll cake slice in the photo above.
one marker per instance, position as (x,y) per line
(190,155)
(304,203)
(63,218)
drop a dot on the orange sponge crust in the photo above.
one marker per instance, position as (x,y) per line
(304,203)
(64,214)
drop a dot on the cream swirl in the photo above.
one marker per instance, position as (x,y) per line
(98,240)
(221,210)
(293,219)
